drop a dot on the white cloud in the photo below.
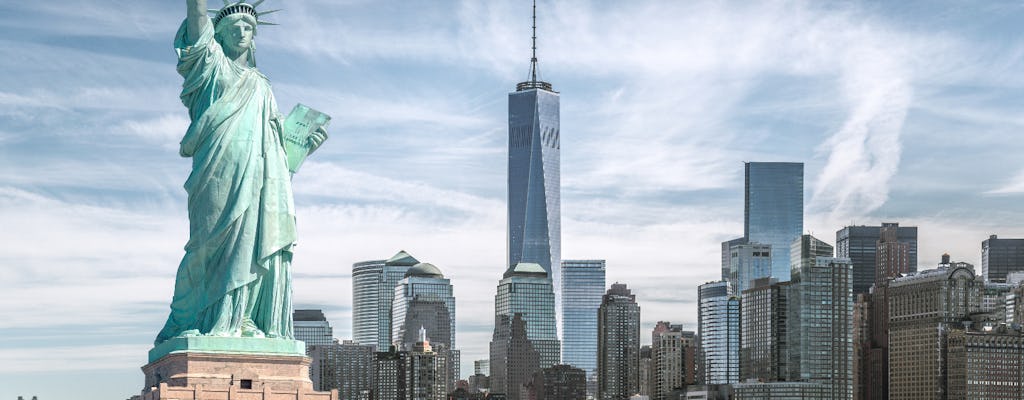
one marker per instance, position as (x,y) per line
(1014,186)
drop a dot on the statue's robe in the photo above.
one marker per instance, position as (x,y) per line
(236,268)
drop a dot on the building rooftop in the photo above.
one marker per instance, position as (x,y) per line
(426,270)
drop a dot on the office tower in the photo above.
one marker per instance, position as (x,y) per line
(311,327)
(558,382)
(482,367)
(860,245)
(513,358)
(774,209)
(1000,257)
(727,256)
(423,298)
(672,359)
(822,311)
(892,256)
(346,366)
(646,374)
(373,290)
(526,290)
(763,346)
(719,331)
(618,344)
(747,262)
(582,288)
(534,210)
(985,362)
(924,308)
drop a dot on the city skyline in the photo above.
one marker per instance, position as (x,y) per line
(660,117)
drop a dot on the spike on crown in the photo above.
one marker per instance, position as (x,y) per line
(240,7)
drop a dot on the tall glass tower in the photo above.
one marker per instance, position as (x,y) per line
(373,290)
(774,209)
(582,290)
(526,290)
(718,321)
(414,304)
(534,206)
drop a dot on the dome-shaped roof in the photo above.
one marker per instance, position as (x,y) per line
(424,270)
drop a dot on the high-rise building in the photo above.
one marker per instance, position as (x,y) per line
(311,327)
(673,359)
(526,290)
(513,357)
(764,354)
(774,209)
(727,256)
(821,314)
(346,366)
(423,298)
(860,245)
(582,288)
(373,290)
(618,344)
(416,374)
(482,367)
(986,363)
(892,256)
(1000,257)
(747,262)
(718,322)
(924,308)
(534,194)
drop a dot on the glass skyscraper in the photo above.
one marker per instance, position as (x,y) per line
(582,289)
(774,209)
(423,284)
(718,321)
(373,289)
(821,318)
(526,290)
(534,205)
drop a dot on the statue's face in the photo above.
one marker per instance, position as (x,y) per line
(236,36)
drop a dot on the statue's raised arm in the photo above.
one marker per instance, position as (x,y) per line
(196,19)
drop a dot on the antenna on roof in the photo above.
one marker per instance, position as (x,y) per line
(533,83)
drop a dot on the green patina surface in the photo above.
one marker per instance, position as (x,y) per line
(233,345)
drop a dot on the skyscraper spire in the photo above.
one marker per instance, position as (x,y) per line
(533,83)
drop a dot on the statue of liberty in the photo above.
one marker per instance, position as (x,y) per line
(235,277)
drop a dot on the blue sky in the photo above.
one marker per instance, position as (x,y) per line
(902,111)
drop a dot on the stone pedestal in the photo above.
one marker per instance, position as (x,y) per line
(215,368)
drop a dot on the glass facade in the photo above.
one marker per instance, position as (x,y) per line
(718,321)
(822,301)
(373,289)
(1000,257)
(774,209)
(747,262)
(424,290)
(534,205)
(583,283)
(527,291)
(311,327)
(860,244)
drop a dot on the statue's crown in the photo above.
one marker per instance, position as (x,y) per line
(240,7)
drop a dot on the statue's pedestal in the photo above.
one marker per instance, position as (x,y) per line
(219,368)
